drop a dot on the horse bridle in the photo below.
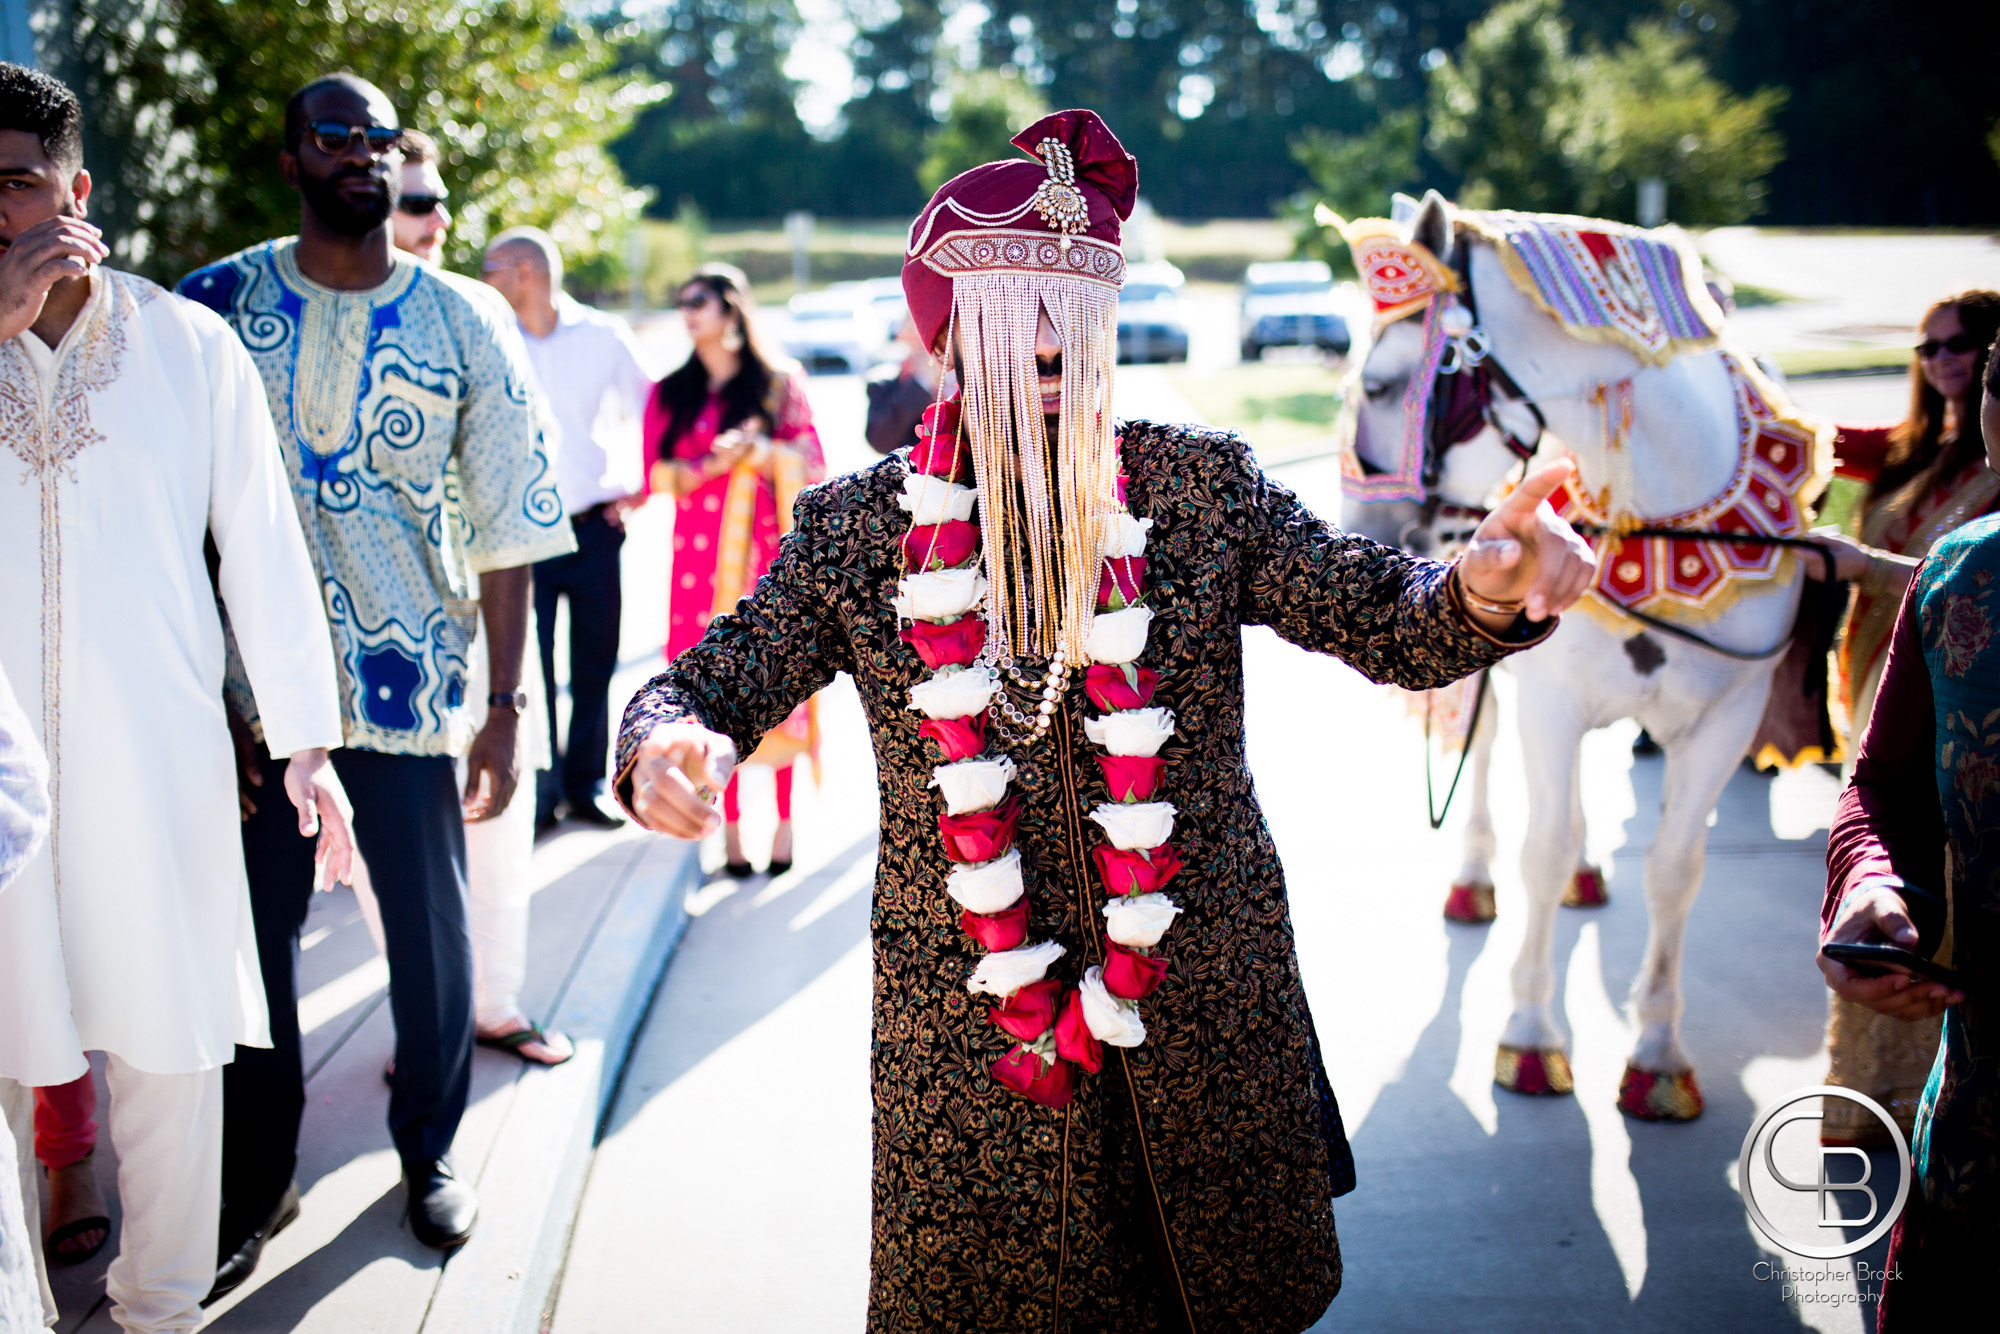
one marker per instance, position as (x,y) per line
(1482,358)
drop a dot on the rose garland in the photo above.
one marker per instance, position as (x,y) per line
(1057,1028)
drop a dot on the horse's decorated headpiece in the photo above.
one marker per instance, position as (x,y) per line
(1401,275)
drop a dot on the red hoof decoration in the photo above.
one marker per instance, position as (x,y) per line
(1469,903)
(1586,889)
(1526,1070)
(1649,1096)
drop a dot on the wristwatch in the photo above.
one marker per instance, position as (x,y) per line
(517,701)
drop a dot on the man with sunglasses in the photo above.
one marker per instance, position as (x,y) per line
(406,411)
(422,217)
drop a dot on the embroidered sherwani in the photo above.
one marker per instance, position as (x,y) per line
(120,449)
(1191,1182)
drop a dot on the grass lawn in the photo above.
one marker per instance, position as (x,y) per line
(1817,360)
(1286,409)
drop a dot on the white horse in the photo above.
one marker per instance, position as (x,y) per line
(1702,706)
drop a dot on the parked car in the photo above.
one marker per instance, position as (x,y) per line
(1152,315)
(885,298)
(1291,304)
(837,328)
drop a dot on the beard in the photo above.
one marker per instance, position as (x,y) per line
(343,215)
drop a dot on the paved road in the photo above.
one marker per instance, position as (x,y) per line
(730,1192)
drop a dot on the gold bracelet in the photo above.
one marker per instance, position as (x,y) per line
(1478,603)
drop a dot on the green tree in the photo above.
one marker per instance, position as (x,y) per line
(514,92)
(1650,108)
(988,109)
(1354,175)
(1502,109)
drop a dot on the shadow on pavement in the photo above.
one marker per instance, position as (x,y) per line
(740,960)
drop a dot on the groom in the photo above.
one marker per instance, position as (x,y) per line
(1099,1098)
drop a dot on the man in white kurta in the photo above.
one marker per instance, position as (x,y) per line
(132,426)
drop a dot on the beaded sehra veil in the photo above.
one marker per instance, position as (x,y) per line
(995,248)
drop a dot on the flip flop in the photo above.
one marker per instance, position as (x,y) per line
(520,1038)
(52,1244)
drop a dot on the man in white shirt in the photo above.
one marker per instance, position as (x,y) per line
(590,373)
(135,427)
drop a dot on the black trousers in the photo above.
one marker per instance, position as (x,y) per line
(589,578)
(408,826)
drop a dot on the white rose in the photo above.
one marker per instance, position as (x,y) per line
(973,785)
(1131,731)
(955,692)
(989,887)
(933,500)
(1118,636)
(1139,920)
(1138,824)
(1114,1022)
(1125,535)
(1004,972)
(937,594)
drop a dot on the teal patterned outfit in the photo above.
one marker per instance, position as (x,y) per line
(1924,808)
(417,461)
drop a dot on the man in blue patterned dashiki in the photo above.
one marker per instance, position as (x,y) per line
(405,406)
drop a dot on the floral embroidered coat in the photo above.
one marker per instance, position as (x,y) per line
(1190,1184)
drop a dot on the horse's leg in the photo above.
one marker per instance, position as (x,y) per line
(1586,885)
(1533,1055)
(1659,1082)
(1471,896)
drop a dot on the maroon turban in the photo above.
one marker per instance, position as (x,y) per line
(987,221)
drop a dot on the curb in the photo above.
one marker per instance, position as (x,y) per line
(532,1181)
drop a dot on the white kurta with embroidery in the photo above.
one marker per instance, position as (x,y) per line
(130,932)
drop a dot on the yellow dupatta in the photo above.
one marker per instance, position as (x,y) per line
(784,743)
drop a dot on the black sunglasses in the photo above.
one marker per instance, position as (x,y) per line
(419,206)
(1958,345)
(333,137)
(695,301)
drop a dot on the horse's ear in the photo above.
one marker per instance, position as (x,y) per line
(1433,230)
(1402,209)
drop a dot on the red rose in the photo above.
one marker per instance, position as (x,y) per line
(1000,930)
(982,835)
(942,645)
(1048,1083)
(1029,1012)
(1136,871)
(1130,975)
(940,546)
(1131,777)
(948,456)
(1073,1037)
(1111,689)
(941,418)
(1123,577)
(957,738)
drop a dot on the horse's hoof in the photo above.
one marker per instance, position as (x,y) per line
(1650,1096)
(1527,1070)
(1469,903)
(1586,889)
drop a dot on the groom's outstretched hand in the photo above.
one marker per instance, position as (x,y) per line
(680,769)
(1522,553)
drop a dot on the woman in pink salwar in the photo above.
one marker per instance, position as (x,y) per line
(730,436)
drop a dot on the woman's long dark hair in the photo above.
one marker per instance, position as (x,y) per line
(1917,442)
(752,392)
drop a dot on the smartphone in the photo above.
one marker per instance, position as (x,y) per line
(1874,958)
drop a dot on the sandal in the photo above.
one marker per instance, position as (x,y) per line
(523,1037)
(58,1238)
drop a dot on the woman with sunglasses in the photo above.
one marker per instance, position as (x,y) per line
(1926,476)
(730,436)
